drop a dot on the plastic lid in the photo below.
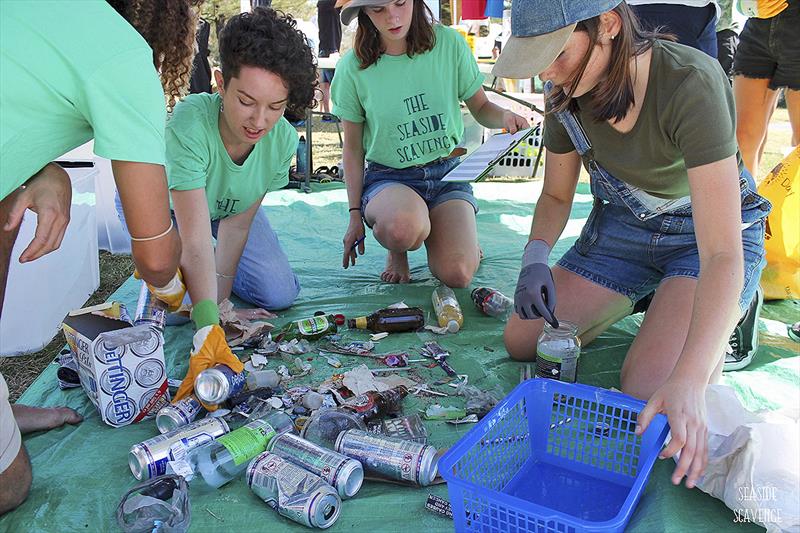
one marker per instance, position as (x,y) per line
(326,424)
(453,326)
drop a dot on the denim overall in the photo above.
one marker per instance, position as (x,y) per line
(633,240)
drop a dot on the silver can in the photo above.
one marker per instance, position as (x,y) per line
(149,459)
(389,457)
(343,473)
(215,385)
(295,493)
(150,310)
(178,414)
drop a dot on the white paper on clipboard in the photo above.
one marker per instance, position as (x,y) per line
(480,162)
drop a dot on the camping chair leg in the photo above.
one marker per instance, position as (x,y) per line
(309,159)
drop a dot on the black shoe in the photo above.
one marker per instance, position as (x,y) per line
(743,343)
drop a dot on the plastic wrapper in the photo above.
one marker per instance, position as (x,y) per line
(160,504)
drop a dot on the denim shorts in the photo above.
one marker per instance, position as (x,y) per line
(770,49)
(626,249)
(425,180)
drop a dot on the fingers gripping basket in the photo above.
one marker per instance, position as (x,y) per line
(552,457)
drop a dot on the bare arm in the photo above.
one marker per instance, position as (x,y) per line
(197,258)
(231,238)
(552,209)
(145,201)
(353,160)
(492,115)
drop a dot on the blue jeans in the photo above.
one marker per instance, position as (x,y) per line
(264,277)
(632,242)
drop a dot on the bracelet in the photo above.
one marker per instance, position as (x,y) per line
(225,276)
(354,209)
(163,234)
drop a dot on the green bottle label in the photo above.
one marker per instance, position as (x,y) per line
(247,441)
(312,326)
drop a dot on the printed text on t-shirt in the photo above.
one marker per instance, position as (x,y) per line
(426,124)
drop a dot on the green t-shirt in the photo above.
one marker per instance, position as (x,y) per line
(197,159)
(409,106)
(73,71)
(687,120)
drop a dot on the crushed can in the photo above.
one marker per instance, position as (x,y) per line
(178,414)
(390,458)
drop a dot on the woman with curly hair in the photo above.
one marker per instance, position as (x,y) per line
(72,72)
(225,151)
(398,93)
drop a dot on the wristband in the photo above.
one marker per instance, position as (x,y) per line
(354,209)
(205,313)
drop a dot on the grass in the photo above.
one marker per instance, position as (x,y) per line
(19,372)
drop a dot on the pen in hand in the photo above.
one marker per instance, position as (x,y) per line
(358,241)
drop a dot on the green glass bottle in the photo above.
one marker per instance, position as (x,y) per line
(311,328)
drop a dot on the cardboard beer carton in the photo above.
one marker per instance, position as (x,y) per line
(121,367)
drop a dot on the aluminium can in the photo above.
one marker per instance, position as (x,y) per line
(294,492)
(150,310)
(180,413)
(217,384)
(343,473)
(390,457)
(149,459)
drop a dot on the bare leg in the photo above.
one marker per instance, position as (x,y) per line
(15,482)
(755,102)
(453,253)
(591,307)
(30,419)
(324,102)
(399,220)
(793,105)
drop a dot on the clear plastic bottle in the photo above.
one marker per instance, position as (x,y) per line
(493,303)
(226,457)
(557,352)
(448,312)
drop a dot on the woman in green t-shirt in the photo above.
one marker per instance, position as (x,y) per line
(675,211)
(225,152)
(398,93)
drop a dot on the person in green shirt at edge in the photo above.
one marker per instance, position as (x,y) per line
(225,151)
(72,72)
(398,93)
(674,208)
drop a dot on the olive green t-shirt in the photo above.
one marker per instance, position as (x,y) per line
(73,71)
(409,105)
(197,158)
(687,120)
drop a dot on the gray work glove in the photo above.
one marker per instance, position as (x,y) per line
(535,296)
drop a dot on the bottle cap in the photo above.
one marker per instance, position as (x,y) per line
(453,326)
(338,319)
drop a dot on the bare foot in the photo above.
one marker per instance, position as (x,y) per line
(30,419)
(396,270)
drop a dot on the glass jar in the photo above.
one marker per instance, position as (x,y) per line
(557,352)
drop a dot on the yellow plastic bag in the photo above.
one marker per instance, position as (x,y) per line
(781,277)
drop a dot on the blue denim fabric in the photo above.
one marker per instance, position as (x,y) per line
(630,249)
(693,26)
(264,277)
(534,17)
(425,180)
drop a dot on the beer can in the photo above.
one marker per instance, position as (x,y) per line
(150,310)
(294,492)
(178,414)
(390,457)
(149,459)
(215,385)
(343,473)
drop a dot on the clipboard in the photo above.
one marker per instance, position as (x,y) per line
(480,163)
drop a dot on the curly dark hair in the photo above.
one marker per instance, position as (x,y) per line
(169,27)
(269,39)
(421,38)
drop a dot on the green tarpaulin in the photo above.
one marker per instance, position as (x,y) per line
(81,472)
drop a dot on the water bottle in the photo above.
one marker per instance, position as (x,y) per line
(448,312)
(225,458)
(302,151)
(493,303)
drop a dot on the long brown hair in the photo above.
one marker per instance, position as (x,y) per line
(420,39)
(613,95)
(169,28)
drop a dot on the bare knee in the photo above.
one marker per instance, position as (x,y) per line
(457,275)
(15,483)
(400,234)
(639,382)
(520,338)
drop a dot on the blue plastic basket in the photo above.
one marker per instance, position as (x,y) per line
(552,457)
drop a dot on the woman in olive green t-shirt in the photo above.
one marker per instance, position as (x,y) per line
(675,211)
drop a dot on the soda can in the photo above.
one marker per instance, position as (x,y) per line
(343,473)
(390,457)
(215,385)
(149,459)
(150,310)
(295,493)
(178,414)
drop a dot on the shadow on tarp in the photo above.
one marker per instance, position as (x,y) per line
(81,472)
